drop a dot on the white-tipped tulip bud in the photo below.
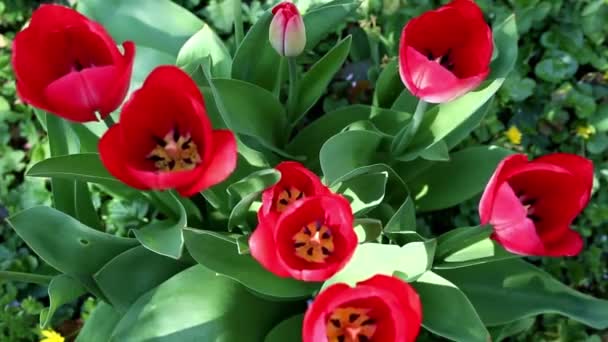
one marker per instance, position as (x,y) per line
(287,33)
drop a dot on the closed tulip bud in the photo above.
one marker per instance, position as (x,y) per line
(287,33)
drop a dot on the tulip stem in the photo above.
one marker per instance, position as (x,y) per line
(405,135)
(238,22)
(109,121)
(25,277)
(291,99)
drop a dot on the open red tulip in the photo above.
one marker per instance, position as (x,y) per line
(165,140)
(68,65)
(382,308)
(445,53)
(311,240)
(296,182)
(531,204)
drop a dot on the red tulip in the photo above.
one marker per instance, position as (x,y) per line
(287,33)
(381,308)
(296,183)
(311,240)
(68,65)
(165,140)
(445,53)
(531,204)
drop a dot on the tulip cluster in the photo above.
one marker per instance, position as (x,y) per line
(69,65)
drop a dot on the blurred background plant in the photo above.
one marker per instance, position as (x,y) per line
(556,99)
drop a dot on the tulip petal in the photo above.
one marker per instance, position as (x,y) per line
(570,244)
(276,33)
(220,165)
(315,319)
(111,155)
(263,248)
(580,167)
(295,37)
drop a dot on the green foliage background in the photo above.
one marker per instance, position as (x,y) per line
(560,85)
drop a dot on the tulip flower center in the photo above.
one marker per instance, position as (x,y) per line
(528,203)
(350,325)
(445,60)
(314,242)
(288,196)
(174,152)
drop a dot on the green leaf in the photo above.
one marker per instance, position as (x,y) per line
(436,152)
(324,20)
(505,39)
(480,252)
(100,324)
(197,305)
(288,330)
(146,60)
(404,220)
(63,189)
(255,60)
(206,43)
(460,238)
(131,274)
(86,167)
(529,292)
(165,237)
(219,253)
(365,191)
(314,83)
(406,102)
(347,151)
(503,332)
(250,110)
(368,229)
(63,289)
(255,182)
(446,184)
(159,24)
(447,312)
(388,86)
(557,67)
(85,211)
(65,243)
(370,259)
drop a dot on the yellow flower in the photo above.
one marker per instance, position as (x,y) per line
(51,336)
(514,135)
(585,131)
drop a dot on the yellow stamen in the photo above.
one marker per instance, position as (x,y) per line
(350,325)
(175,153)
(314,242)
(288,196)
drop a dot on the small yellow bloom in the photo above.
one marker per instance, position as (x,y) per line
(51,336)
(585,131)
(514,135)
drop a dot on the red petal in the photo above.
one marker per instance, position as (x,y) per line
(581,168)
(410,307)
(110,152)
(219,166)
(486,205)
(570,244)
(315,319)
(263,249)
(77,95)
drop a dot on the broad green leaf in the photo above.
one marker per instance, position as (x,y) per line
(324,20)
(86,167)
(395,183)
(238,215)
(447,312)
(528,290)
(347,151)
(85,211)
(406,102)
(388,86)
(457,239)
(401,227)
(146,60)
(255,182)
(198,305)
(131,274)
(100,324)
(365,191)
(250,110)
(158,24)
(505,38)
(206,43)
(63,189)
(314,83)
(436,152)
(368,229)
(165,237)
(255,60)
(65,243)
(370,259)
(446,184)
(288,330)
(502,332)
(469,125)
(219,253)
(63,289)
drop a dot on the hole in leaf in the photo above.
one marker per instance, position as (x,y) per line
(83,242)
